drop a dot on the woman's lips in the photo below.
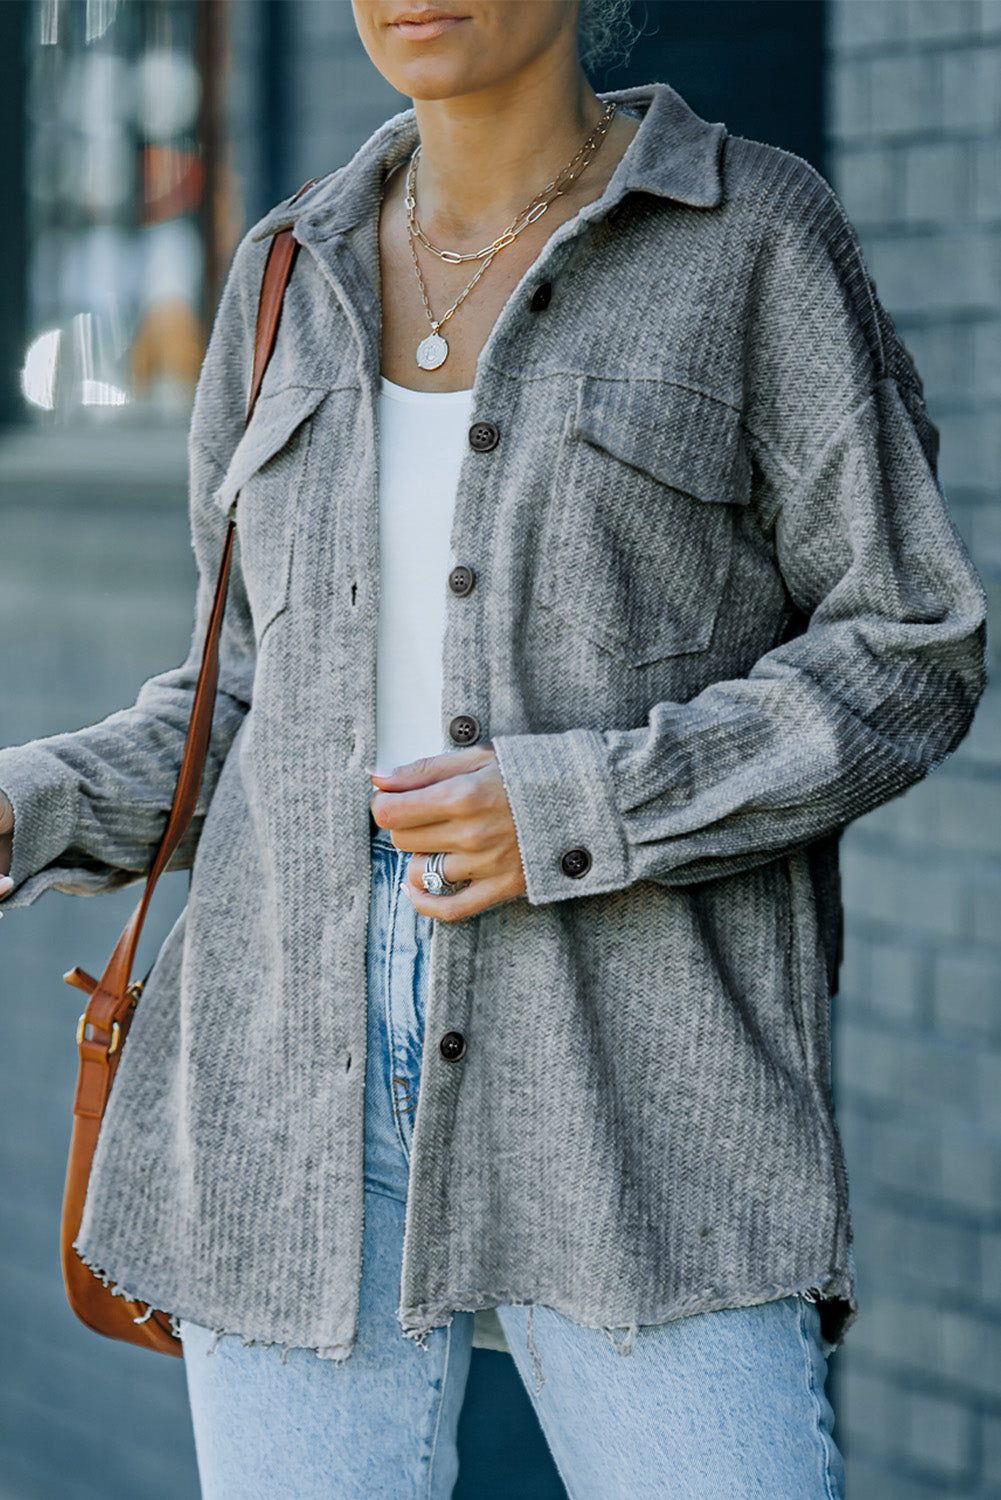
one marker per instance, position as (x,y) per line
(419,28)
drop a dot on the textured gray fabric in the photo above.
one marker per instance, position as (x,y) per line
(719,612)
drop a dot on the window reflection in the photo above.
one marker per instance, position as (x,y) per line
(124,198)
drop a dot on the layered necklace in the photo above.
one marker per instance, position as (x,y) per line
(432,351)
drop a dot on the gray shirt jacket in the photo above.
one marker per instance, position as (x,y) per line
(719,610)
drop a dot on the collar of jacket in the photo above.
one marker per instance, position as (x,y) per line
(675,154)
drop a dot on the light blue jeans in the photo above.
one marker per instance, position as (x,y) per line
(718,1406)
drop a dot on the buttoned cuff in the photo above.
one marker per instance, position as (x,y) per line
(45,798)
(570,834)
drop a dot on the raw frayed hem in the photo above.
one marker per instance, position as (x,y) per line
(536,1357)
(339,1353)
(116,1289)
(422,1332)
(623,1346)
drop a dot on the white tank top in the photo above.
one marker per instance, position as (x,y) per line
(422,442)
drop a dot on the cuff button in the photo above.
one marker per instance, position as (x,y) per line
(575,863)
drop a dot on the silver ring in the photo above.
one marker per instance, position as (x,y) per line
(433,879)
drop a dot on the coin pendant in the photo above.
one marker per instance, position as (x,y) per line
(432,352)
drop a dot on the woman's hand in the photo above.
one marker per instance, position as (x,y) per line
(453,804)
(6,840)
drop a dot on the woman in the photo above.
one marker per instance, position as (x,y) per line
(629,502)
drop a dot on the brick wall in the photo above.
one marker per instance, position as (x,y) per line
(915,132)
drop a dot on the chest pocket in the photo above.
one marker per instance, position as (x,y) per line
(265,480)
(636,549)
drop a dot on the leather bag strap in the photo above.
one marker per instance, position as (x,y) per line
(113,995)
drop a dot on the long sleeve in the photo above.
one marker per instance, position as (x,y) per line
(882,680)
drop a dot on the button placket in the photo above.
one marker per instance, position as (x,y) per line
(484,436)
(452,1046)
(462,580)
(464,730)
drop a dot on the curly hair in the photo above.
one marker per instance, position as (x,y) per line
(605,33)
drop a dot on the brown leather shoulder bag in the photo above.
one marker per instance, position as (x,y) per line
(104,1025)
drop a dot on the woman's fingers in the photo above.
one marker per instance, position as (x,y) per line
(477,897)
(455,805)
(455,867)
(6,845)
(432,769)
(465,837)
(443,788)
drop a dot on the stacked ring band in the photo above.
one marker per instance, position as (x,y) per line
(433,879)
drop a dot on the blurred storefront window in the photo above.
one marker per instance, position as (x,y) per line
(130,215)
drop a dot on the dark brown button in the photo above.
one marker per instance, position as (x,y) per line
(461,580)
(452,1046)
(575,863)
(464,730)
(541,297)
(483,436)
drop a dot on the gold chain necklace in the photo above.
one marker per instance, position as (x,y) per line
(432,351)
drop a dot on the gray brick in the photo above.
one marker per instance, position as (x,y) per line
(986,901)
(965,814)
(986,157)
(872,1409)
(895,1244)
(967,995)
(971,1352)
(939,1435)
(971,89)
(903,1158)
(889,823)
(914,897)
(854,1127)
(990,1447)
(904,89)
(935,20)
(971,447)
(985,357)
(854,977)
(870,1477)
(988,1068)
(909,1071)
(990,1269)
(982,746)
(919,1036)
(868,183)
(969,1171)
(897,973)
(936,182)
(941,353)
(851,99)
(860,23)
(955,272)
(902,1333)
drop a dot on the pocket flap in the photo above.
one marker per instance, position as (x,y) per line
(684,438)
(275,419)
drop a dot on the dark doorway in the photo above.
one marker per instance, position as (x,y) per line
(757,65)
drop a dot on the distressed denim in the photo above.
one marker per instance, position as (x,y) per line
(725,1403)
